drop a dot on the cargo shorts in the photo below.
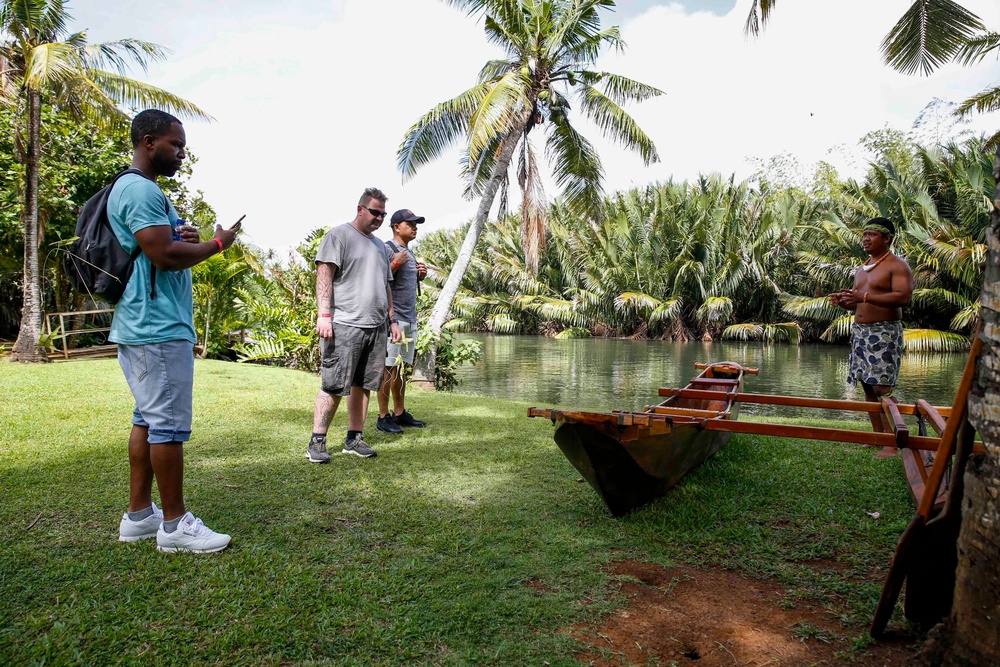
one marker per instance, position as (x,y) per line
(354,358)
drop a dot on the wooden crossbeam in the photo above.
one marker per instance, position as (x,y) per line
(798,401)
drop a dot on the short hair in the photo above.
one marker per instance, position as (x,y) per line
(370,194)
(881,222)
(152,122)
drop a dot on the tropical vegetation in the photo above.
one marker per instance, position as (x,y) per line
(717,258)
(42,62)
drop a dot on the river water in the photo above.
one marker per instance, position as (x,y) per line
(605,374)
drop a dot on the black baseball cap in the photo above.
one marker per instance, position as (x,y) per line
(405,215)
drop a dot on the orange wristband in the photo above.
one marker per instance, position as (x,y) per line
(219,242)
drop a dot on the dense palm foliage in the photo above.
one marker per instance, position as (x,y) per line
(41,61)
(742,260)
(545,76)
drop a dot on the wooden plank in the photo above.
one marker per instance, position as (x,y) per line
(798,401)
(899,427)
(687,412)
(959,411)
(932,414)
(829,434)
(729,366)
(898,564)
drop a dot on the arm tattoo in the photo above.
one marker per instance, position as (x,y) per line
(324,286)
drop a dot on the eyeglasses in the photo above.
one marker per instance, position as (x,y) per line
(374,211)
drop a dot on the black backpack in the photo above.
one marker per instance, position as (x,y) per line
(95,263)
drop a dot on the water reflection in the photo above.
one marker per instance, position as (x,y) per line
(605,374)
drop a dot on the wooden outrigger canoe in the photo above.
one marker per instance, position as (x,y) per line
(631,458)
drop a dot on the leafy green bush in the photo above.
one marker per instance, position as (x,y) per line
(450,355)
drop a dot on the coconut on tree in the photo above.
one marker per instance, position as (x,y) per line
(41,62)
(545,78)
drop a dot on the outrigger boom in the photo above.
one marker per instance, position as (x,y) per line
(900,437)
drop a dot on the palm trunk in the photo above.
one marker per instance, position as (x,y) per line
(208,323)
(969,636)
(26,347)
(423,372)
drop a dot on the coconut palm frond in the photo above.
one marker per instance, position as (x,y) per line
(932,340)
(757,18)
(814,308)
(616,124)
(977,48)
(744,331)
(668,310)
(930,34)
(784,331)
(502,323)
(967,318)
(438,129)
(839,329)
(714,311)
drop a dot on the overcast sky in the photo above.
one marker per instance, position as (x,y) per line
(311,98)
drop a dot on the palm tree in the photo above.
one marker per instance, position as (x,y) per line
(551,47)
(41,62)
(932,33)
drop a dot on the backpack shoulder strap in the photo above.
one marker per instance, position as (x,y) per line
(138,250)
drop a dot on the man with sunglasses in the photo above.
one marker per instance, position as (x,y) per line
(407,272)
(354,301)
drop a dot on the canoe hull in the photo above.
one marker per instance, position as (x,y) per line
(633,474)
(632,458)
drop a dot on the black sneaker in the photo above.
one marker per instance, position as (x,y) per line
(359,447)
(406,419)
(316,452)
(388,425)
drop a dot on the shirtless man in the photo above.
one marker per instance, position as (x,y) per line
(882,286)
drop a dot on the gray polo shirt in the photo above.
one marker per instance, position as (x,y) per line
(404,285)
(362,272)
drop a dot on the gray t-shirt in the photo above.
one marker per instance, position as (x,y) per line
(404,285)
(359,282)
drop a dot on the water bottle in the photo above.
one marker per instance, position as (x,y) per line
(180,223)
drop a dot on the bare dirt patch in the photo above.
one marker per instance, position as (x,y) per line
(710,617)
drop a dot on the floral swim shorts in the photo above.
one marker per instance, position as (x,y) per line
(876,350)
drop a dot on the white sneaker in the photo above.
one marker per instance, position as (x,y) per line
(191,536)
(133,531)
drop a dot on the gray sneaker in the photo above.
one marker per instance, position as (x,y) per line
(316,453)
(359,447)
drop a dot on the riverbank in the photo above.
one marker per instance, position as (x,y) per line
(468,542)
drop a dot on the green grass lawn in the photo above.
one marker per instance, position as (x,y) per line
(431,553)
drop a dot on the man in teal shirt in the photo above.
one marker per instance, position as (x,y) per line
(154,328)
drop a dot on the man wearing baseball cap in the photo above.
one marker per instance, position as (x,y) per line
(407,272)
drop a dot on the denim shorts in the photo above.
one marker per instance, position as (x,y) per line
(404,349)
(354,358)
(161,377)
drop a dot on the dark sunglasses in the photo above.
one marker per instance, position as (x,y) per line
(375,212)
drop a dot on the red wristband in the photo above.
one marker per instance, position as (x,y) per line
(219,242)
